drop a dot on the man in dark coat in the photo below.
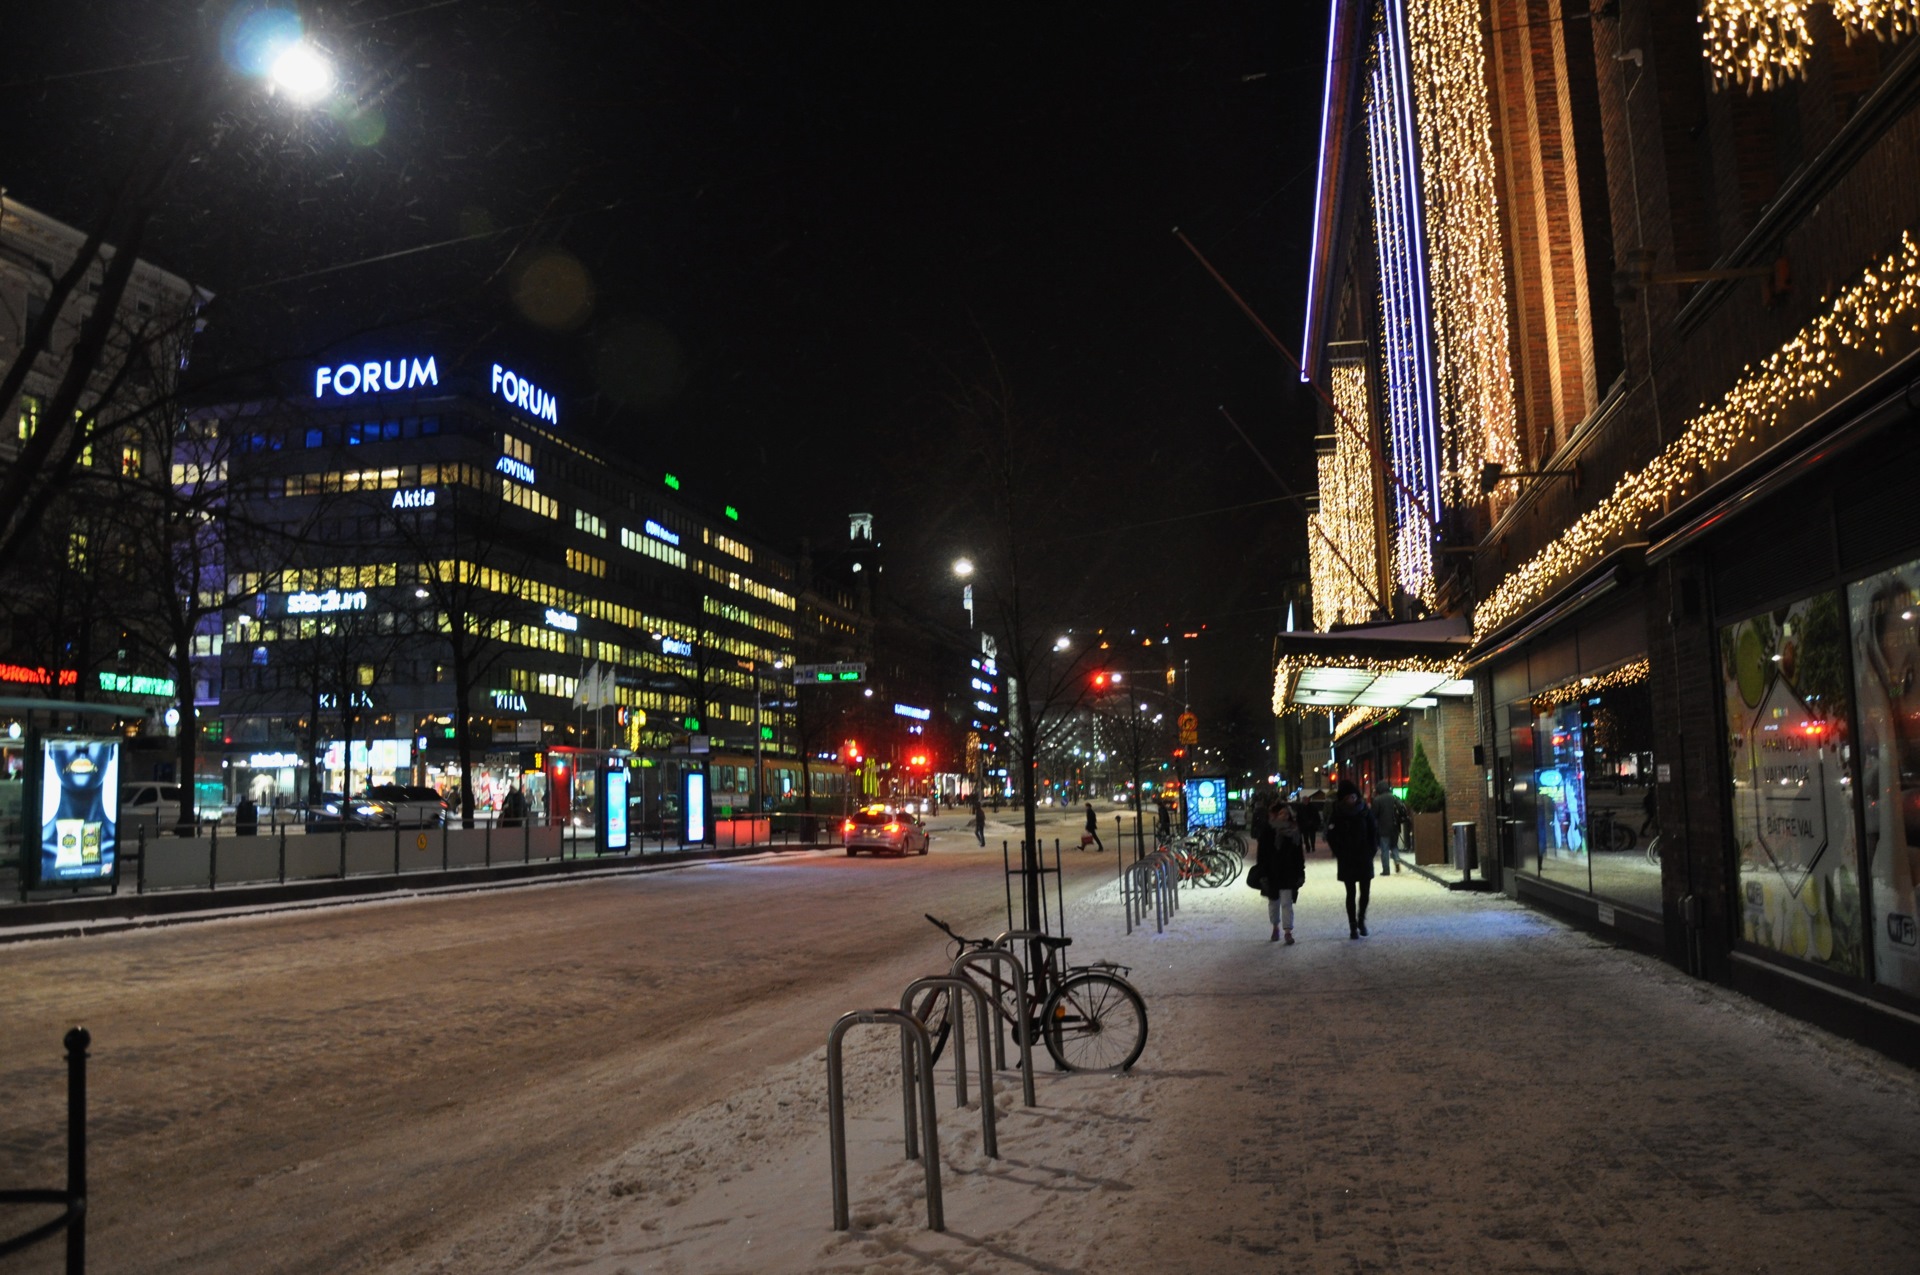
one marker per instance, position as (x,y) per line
(1390,816)
(1352,835)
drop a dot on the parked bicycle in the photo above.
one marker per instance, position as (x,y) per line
(1089,1017)
(1608,833)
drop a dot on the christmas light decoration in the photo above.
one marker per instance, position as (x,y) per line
(1288,669)
(1472,364)
(1757,42)
(1346,513)
(1405,330)
(1863,318)
(1358,719)
(1629,674)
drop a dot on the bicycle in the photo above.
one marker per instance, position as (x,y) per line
(1610,834)
(1089,1017)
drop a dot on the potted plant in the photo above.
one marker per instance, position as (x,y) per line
(1427,802)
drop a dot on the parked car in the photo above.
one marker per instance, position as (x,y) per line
(885,829)
(336,811)
(157,804)
(412,806)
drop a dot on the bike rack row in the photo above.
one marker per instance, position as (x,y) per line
(1152,882)
(918,1113)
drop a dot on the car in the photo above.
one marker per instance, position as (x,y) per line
(157,805)
(412,806)
(885,829)
(335,812)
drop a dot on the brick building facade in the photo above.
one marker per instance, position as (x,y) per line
(1666,497)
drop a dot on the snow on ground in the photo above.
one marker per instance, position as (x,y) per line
(1475,1087)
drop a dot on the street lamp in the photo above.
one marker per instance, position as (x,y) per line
(302,72)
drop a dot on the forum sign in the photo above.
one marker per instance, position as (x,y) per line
(345,380)
(525,395)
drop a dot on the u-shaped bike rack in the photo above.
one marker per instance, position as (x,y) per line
(956,985)
(1150,880)
(913,1036)
(1000,956)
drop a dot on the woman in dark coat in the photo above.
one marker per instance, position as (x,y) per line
(1093,831)
(1351,834)
(1281,859)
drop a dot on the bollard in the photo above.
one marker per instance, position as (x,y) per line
(989,1138)
(910,1030)
(73,1217)
(1023,1036)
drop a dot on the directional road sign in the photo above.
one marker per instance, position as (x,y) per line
(823,673)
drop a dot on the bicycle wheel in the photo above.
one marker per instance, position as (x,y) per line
(933,1009)
(1222,869)
(1623,838)
(1094,1022)
(1653,850)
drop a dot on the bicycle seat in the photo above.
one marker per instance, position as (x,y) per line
(1050,941)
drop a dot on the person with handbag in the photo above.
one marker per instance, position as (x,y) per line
(1279,867)
(1352,836)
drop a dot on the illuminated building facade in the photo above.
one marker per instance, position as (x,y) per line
(1676,247)
(408,530)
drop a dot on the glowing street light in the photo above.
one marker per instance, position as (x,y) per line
(963,567)
(302,72)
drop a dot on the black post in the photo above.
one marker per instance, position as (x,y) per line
(140,879)
(77,1042)
(213,859)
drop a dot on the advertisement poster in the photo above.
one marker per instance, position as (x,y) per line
(614,808)
(1206,803)
(79,797)
(1885,613)
(1788,701)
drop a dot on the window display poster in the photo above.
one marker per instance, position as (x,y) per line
(1561,784)
(1884,610)
(695,805)
(1788,698)
(1206,803)
(79,797)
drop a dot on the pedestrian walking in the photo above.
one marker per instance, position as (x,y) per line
(1093,831)
(979,822)
(1307,815)
(1351,835)
(1280,859)
(1390,817)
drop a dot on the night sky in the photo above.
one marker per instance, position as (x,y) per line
(766,245)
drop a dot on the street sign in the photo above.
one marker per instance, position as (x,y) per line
(823,673)
(1189,722)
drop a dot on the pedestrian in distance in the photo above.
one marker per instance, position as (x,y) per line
(1391,817)
(1352,835)
(1307,816)
(1280,857)
(1093,831)
(979,823)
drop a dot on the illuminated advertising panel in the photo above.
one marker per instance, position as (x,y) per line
(613,812)
(1206,801)
(79,804)
(695,805)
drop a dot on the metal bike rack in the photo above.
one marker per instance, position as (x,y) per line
(956,984)
(73,1218)
(912,1035)
(991,956)
(1153,876)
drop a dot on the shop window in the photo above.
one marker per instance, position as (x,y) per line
(1592,795)
(1790,762)
(1885,612)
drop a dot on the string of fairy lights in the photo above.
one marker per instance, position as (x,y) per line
(1405,333)
(1345,517)
(1863,317)
(1760,42)
(1473,367)
(1629,674)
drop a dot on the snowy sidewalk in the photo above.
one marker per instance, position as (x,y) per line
(1474,1088)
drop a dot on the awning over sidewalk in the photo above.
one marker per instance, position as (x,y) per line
(1378,666)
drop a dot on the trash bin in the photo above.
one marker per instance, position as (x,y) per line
(246,818)
(1464,856)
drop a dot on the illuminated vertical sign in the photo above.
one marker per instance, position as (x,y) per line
(694,804)
(613,809)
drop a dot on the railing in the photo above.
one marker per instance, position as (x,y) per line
(73,1217)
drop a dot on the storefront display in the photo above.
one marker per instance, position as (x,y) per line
(1885,613)
(1593,800)
(1788,701)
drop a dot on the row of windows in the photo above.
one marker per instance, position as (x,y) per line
(529,499)
(589,523)
(740,615)
(727,544)
(587,563)
(349,434)
(394,478)
(652,548)
(746,585)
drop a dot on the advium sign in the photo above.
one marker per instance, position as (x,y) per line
(525,395)
(375,375)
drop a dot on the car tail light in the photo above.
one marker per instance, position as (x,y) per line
(847,826)
(893,827)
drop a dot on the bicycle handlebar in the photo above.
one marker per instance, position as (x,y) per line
(948,931)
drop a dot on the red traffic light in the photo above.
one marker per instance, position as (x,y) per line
(1101,680)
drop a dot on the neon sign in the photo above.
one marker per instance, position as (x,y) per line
(513,701)
(918,714)
(413,498)
(348,379)
(674,646)
(658,532)
(38,676)
(515,469)
(135,684)
(563,620)
(526,396)
(321,603)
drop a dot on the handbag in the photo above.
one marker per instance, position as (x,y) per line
(1257,877)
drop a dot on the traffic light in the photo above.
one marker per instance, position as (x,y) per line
(917,762)
(1102,679)
(850,752)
